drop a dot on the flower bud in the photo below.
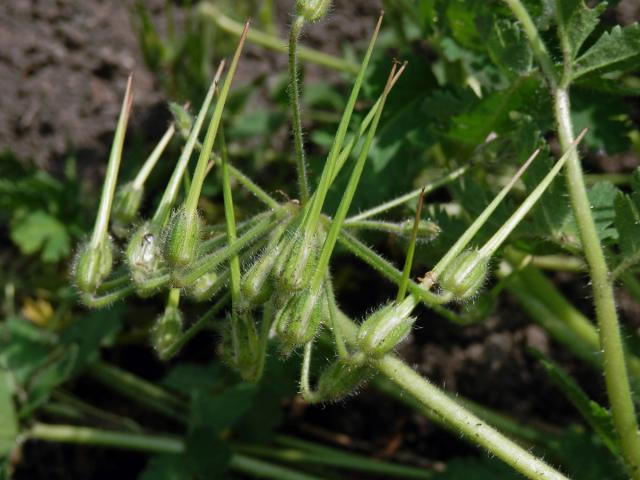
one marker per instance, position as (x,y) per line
(126,204)
(465,275)
(166,331)
(312,10)
(182,238)
(144,256)
(206,286)
(341,379)
(385,328)
(93,265)
(298,321)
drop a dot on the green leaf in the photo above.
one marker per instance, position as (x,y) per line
(598,417)
(601,198)
(494,112)
(9,423)
(585,457)
(220,412)
(627,223)
(576,22)
(508,47)
(615,50)
(39,231)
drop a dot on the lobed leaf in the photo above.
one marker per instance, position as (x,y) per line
(576,22)
(618,49)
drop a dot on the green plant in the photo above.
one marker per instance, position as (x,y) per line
(268,278)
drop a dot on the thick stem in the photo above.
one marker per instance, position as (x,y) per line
(615,371)
(294,99)
(464,422)
(456,417)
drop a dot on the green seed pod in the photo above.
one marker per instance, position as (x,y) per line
(93,265)
(167,330)
(246,354)
(207,286)
(384,329)
(298,261)
(255,284)
(144,257)
(465,275)
(312,10)
(298,321)
(341,379)
(126,204)
(182,238)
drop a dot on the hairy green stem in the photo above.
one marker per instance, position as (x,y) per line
(615,371)
(294,99)
(456,417)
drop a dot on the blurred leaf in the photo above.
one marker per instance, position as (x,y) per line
(552,212)
(618,49)
(576,22)
(598,417)
(586,458)
(39,231)
(607,119)
(508,47)
(9,423)
(220,411)
(494,112)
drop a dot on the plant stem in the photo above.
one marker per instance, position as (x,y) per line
(152,160)
(139,390)
(111,177)
(196,327)
(429,187)
(230,219)
(154,444)
(250,185)
(615,371)
(93,436)
(294,99)
(272,42)
(456,417)
(262,469)
(408,263)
